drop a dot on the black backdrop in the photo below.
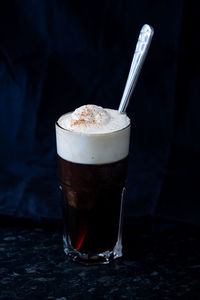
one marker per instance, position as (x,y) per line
(56,55)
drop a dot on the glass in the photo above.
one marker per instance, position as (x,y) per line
(93,193)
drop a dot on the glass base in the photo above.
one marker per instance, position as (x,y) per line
(93,259)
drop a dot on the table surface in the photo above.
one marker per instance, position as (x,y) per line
(34,266)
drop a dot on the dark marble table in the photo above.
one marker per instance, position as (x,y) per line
(162,266)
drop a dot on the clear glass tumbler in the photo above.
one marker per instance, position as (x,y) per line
(92,173)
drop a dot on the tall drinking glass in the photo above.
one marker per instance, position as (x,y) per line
(92,174)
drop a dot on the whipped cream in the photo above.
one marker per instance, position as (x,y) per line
(94,119)
(102,135)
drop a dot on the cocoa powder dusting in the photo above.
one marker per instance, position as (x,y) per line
(85,113)
(81,121)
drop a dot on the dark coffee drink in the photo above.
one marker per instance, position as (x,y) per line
(92,147)
(92,202)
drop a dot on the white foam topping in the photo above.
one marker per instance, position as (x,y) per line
(93,135)
(94,119)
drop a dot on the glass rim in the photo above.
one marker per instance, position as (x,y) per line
(89,134)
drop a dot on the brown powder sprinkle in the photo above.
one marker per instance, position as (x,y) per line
(86,112)
(81,121)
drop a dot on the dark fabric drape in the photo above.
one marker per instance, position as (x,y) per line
(58,55)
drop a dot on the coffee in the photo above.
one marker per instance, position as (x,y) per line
(92,148)
(92,201)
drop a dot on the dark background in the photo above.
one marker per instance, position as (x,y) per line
(57,55)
